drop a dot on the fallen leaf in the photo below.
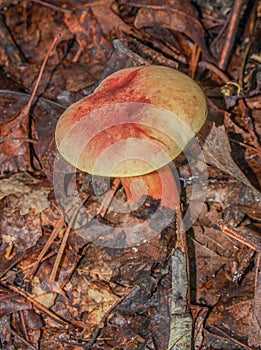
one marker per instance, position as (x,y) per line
(17,183)
(21,197)
(108,19)
(11,303)
(93,46)
(217,152)
(178,15)
(14,138)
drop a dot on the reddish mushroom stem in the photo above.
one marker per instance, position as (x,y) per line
(159,184)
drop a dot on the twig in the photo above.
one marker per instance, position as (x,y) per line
(52,237)
(37,304)
(231,34)
(108,198)
(213,329)
(64,242)
(221,32)
(24,330)
(258,150)
(53,7)
(29,104)
(15,261)
(251,241)
(194,60)
(252,25)
(32,265)
(60,254)
(214,69)
(19,125)
(4,139)
(15,334)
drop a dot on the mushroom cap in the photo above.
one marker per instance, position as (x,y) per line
(136,121)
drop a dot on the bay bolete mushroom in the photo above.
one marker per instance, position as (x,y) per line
(133,125)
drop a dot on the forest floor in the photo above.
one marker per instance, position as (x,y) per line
(71,278)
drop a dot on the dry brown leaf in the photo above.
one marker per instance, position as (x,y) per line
(217,152)
(253,211)
(108,20)
(21,196)
(42,296)
(17,183)
(17,230)
(93,46)
(178,15)
(11,303)
(14,137)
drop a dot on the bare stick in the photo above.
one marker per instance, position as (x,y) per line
(29,104)
(108,198)
(64,242)
(53,7)
(251,241)
(37,304)
(231,34)
(52,237)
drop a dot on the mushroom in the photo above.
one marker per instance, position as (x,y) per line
(133,125)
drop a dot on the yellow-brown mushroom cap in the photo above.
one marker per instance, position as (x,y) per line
(136,121)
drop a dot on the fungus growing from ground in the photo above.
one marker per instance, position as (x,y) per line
(133,125)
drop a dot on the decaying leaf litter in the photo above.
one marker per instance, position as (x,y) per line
(85,296)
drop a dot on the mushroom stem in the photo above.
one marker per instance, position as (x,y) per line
(159,185)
